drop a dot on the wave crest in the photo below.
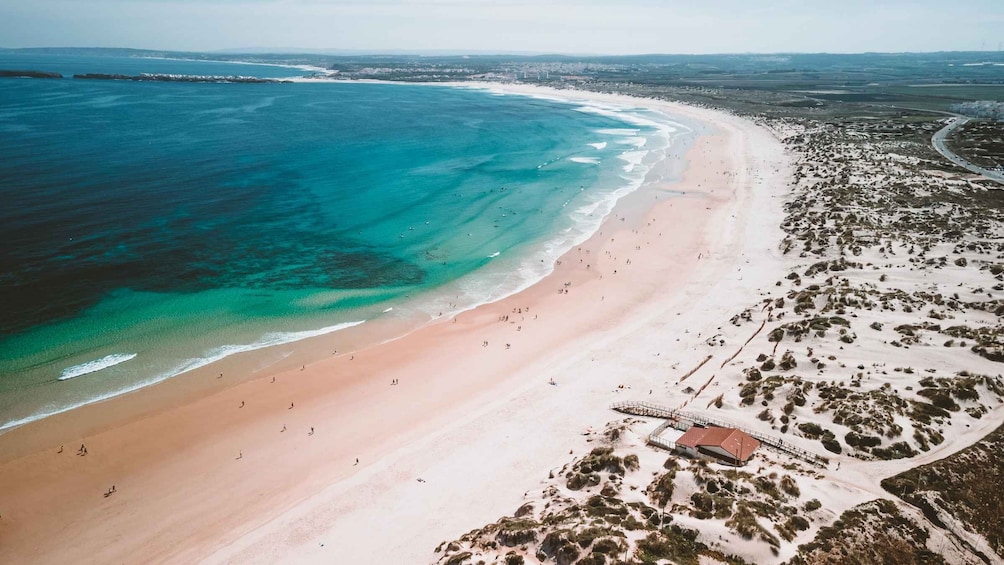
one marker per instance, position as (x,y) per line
(95,365)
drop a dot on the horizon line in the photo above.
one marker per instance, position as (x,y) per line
(477,52)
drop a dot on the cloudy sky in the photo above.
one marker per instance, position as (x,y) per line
(559,26)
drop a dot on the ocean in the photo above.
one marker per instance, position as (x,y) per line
(150,228)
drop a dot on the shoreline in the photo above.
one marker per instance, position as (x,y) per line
(149,448)
(288,350)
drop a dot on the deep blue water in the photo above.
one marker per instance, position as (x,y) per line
(163,225)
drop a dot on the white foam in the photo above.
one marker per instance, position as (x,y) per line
(587,160)
(633,158)
(267,340)
(516,272)
(625,132)
(494,255)
(213,355)
(633,141)
(95,365)
(521,271)
(388,309)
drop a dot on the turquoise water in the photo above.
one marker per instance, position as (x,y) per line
(151,228)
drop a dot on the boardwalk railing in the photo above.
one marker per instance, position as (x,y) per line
(652,410)
(655,438)
(645,409)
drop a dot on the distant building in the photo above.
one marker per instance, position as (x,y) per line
(729,445)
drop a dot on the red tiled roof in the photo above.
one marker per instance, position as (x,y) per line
(735,442)
(692,437)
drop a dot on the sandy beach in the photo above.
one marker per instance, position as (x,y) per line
(329,461)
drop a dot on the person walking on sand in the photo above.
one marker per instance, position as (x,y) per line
(357,461)
(60,449)
(290,406)
(242,404)
(311,431)
(240,455)
(283,428)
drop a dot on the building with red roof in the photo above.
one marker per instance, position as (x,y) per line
(731,446)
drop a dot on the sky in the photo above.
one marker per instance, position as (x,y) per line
(509,26)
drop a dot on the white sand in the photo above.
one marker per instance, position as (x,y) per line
(479,425)
(478,466)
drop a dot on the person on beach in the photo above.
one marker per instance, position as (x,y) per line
(240,455)
(290,406)
(283,428)
(242,404)
(60,449)
(311,431)
(357,461)
(273,379)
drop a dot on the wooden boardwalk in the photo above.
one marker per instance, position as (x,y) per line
(652,410)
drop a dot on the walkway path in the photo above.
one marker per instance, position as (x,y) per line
(657,411)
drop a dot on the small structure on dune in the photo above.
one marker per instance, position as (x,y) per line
(729,445)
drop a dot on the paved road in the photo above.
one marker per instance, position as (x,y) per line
(939,143)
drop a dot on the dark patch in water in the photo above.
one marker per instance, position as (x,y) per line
(265,234)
